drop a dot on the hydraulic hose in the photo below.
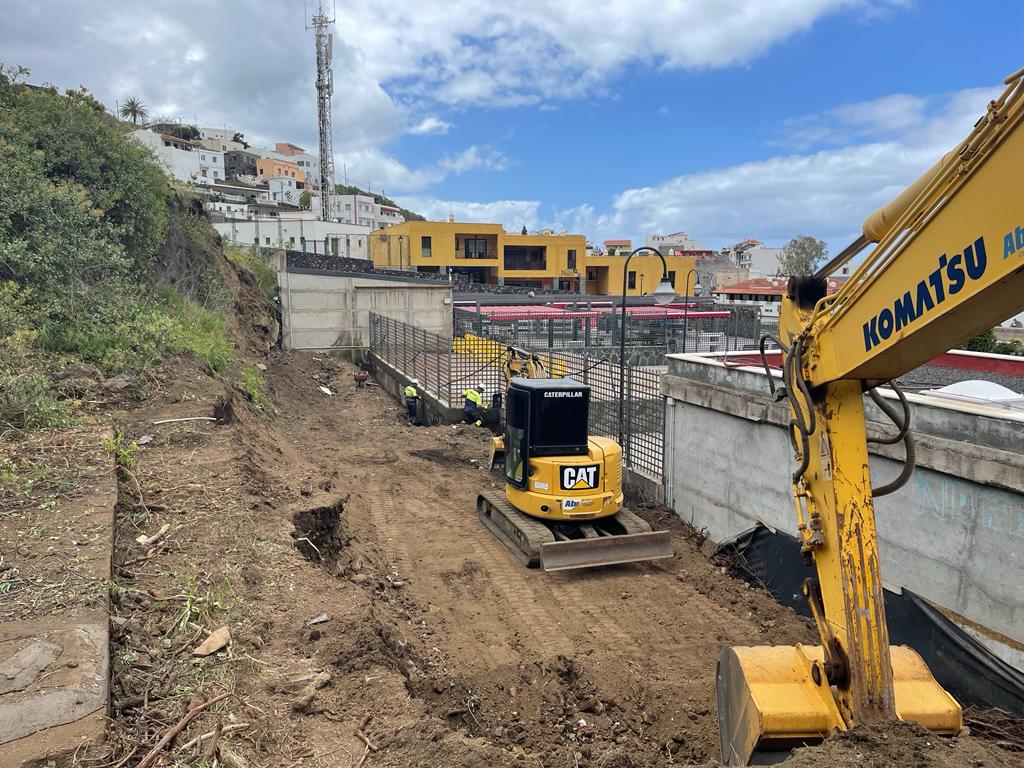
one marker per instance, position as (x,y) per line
(904,434)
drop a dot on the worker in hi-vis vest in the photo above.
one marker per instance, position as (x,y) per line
(473,405)
(412,400)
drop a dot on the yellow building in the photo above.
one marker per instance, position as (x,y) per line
(604,274)
(484,252)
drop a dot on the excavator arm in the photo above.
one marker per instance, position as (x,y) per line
(948,264)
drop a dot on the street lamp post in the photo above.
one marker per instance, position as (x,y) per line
(663,294)
(686,303)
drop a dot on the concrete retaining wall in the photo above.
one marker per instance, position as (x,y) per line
(954,534)
(394,382)
(322,310)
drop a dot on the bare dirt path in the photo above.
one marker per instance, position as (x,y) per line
(340,546)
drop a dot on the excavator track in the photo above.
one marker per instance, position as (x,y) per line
(622,538)
(521,533)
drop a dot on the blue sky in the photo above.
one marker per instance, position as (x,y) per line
(724,118)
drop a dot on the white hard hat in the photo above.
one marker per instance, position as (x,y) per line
(414,381)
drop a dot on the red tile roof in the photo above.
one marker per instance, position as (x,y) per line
(771,286)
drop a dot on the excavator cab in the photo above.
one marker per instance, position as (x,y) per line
(562,506)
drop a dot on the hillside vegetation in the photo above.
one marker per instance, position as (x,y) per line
(105,268)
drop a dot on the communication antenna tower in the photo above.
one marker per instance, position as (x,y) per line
(320,23)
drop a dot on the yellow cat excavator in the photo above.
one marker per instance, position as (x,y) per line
(562,505)
(949,264)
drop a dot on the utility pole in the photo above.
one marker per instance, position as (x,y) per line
(320,23)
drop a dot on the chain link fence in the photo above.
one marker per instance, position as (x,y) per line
(447,367)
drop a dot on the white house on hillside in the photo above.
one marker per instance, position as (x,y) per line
(360,210)
(179,157)
(211,165)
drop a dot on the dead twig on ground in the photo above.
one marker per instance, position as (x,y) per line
(146,542)
(209,735)
(178,728)
(211,748)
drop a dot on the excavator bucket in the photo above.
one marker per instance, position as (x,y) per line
(497,453)
(769,701)
(605,550)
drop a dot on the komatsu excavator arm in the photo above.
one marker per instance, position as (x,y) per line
(949,264)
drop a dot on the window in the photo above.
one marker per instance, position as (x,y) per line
(268,241)
(255,241)
(203,172)
(516,447)
(631,280)
(291,240)
(476,248)
(526,257)
(571,259)
(672,278)
(425,247)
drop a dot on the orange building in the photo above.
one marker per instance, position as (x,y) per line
(271,166)
(287,148)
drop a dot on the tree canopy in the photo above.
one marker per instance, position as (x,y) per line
(802,255)
(133,109)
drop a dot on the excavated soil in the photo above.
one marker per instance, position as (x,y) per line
(375,622)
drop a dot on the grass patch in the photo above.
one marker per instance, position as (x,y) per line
(199,330)
(251,385)
(253,262)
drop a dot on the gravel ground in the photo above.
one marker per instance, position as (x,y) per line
(935,376)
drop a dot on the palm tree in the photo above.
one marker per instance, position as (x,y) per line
(135,109)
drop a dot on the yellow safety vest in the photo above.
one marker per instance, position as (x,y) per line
(410,391)
(473,396)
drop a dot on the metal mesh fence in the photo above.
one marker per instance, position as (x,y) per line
(447,367)
(600,332)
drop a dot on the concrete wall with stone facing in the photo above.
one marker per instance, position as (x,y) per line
(324,311)
(954,534)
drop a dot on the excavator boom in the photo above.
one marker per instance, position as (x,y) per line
(949,264)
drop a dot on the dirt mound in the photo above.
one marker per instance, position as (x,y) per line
(366,638)
(901,745)
(319,534)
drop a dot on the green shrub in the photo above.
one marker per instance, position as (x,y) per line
(253,261)
(1013,347)
(983,342)
(251,384)
(28,402)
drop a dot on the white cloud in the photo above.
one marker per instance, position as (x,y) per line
(864,120)
(480,52)
(513,214)
(221,64)
(826,193)
(475,157)
(428,125)
(374,169)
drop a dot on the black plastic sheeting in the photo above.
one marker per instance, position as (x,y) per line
(962,665)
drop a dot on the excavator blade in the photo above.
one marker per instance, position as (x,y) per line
(605,550)
(769,702)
